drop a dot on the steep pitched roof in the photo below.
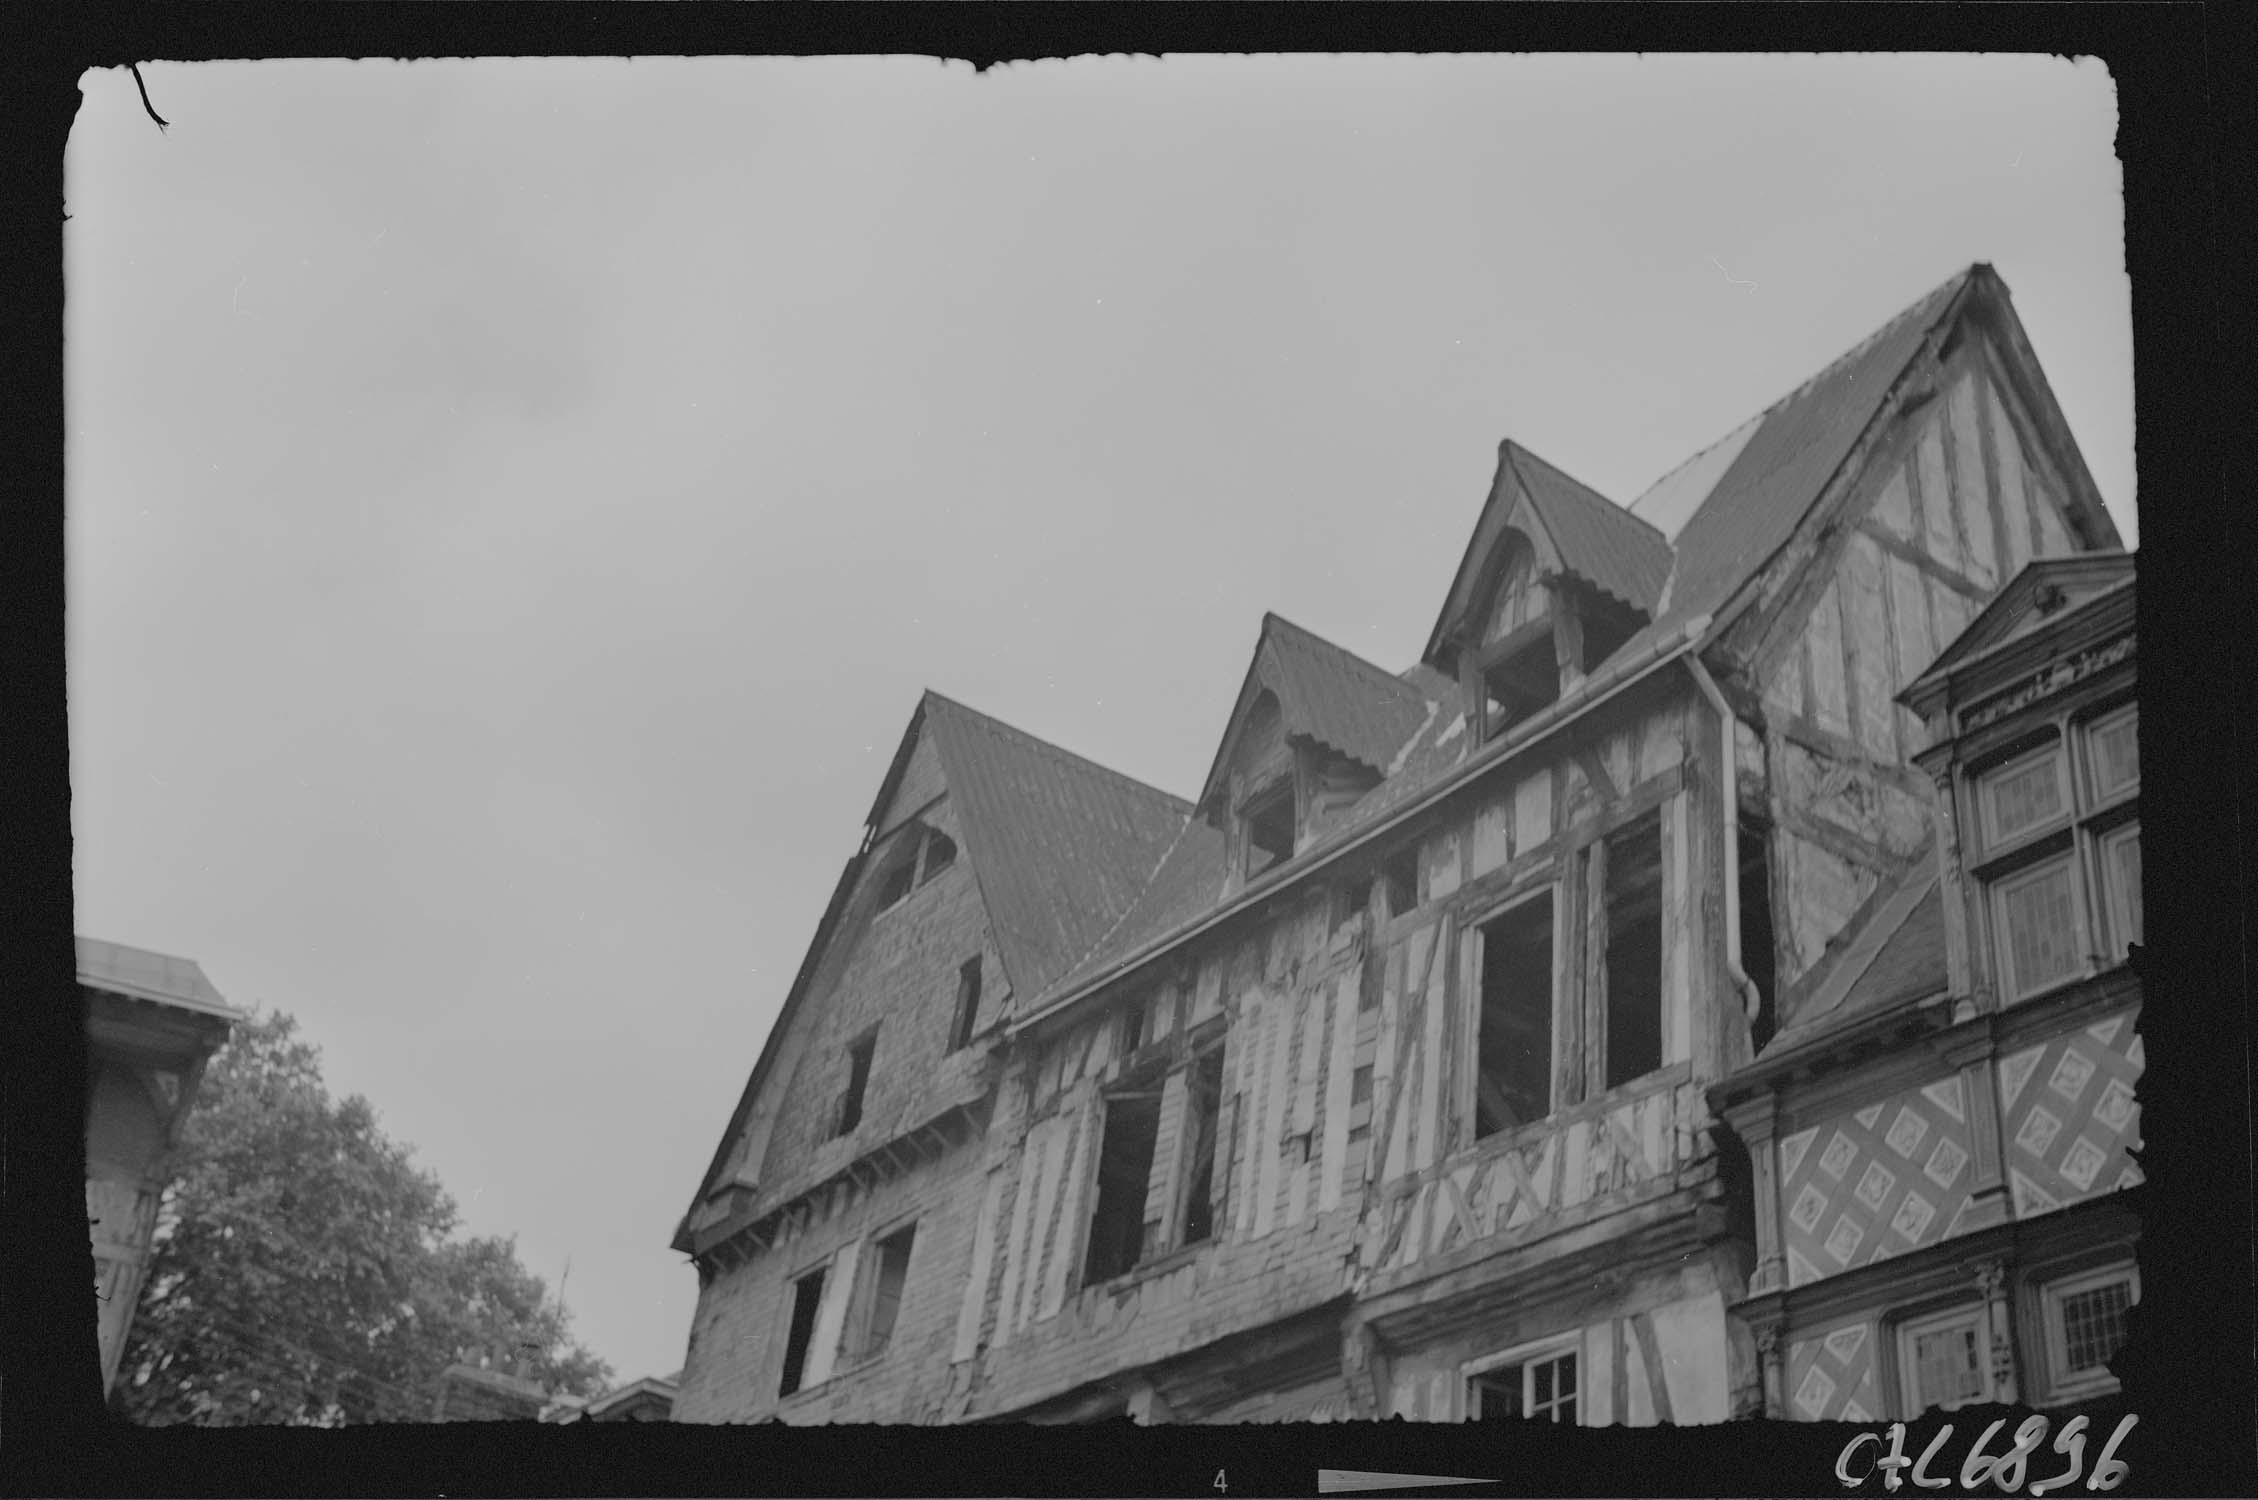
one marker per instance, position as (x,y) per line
(1895,960)
(1061,846)
(1576,529)
(149,976)
(1768,472)
(1326,693)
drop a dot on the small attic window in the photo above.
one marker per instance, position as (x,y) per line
(921,854)
(1518,682)
(1268,822)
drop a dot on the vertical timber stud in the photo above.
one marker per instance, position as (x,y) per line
(1979,1084)
(1991,1280)
(1594,1008)
(1756,1121)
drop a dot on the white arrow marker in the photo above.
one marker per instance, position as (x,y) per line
(1340,1481)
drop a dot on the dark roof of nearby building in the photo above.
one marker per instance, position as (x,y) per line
(1780,469)
(1062,847)
(1599,541)
(149,976)
(1895,959)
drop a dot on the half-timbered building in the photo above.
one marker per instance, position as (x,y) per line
(1445,1054)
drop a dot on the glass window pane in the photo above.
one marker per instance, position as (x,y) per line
(1947,1366)
(2025,797)
(2041,925)
(2116,755)
(2093,1325)
(2123,860)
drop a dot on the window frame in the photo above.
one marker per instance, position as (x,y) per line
(1261,803)
(1905,1330)
(841,1126)
(1525,1358)
(1477,939)
(965,1018)
(2061,1382)
(2083,836)
(869,1268)
(786,1374)
(920,837)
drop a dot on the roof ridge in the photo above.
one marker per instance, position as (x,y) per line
(994,725)
(1964,274)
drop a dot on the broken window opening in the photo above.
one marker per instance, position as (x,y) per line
(1633,975)
(858,1079)
(807,1296)
(1759,939)
(968,1005)
(1125,1168)
(889,1273)
(1605,631)
(1203,1106)
(940,853)
(1400,877)
(1518,684)
(1513,1079)
(899,878)
(1269,819)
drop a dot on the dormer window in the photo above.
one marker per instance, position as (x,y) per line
(1518,677)
(1267,826)
(921,854)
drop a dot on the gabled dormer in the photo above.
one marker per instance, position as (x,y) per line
(1314,729)
(2035,750)
(1555,579)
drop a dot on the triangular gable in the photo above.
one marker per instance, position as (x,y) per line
(1326,695)
(2054,582)
(1060,848)
(1769,472)
(1573,529)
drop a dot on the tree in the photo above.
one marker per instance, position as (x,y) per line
(305,1270)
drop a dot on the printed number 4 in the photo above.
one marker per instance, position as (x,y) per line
(1219,1483)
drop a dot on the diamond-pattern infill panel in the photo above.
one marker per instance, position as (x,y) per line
(2069,1115)
(1877,1182)
(1831,1379)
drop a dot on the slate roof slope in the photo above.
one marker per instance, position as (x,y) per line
(149,976)
(1062,847)
(1780,462)
(1599,541)
(1894,961)
(1328,694)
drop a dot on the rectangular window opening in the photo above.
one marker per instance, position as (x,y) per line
(1634,952)
(1542,1388)
(2039,914)
(1513,1079)
(807,1296)
(1203,1105)
(858,1079)
(968,1006)
(1520,684)
(2121,871)
(1759,941)
(1941,1360)
(1270,829)
(889,1274)
(1400,877)
(1125,1167)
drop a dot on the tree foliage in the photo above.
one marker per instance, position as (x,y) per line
(306,1271)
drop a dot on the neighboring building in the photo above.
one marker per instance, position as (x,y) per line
(152,1022)
(1384,1077)
(650,1399)
(1941,1134)
(487,1393)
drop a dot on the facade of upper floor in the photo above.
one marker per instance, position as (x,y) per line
(1338,1088)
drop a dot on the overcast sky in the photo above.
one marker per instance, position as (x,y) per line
(515,505)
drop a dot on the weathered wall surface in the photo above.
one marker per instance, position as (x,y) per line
(897,971)
(1951,509)
(737,1335)
(1662,1352)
